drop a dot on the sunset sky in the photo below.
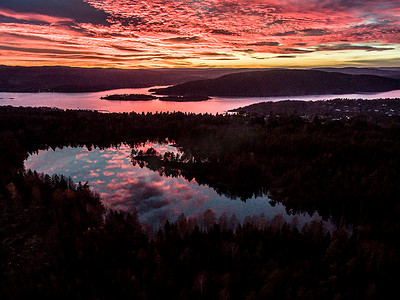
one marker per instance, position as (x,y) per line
(200,33)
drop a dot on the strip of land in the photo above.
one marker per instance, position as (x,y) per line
(336,108)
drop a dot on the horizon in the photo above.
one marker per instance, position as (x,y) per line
(261,68)
(249,34)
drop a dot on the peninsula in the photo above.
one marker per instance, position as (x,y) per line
(285,82)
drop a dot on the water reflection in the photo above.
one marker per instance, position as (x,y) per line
(215,105)
(123,186)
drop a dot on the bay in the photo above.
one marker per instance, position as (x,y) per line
(92,101)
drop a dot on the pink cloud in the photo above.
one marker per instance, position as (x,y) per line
(107,173)
(32,16)
(93,174)
(186,33)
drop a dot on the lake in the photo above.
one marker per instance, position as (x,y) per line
(125,186)
(92,101)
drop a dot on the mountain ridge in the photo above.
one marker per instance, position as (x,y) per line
(75,79)
(283,83)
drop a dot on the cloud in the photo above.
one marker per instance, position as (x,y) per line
(15,36)
(108,173)
(144,196)
(215,54)
(244,50)
(345,46)
(123,48)
(384,62)
(285,56)
(313,32)
(223,58)
(48,51)
(272,44)
(76,10)
(35,17)
(144,190)
(183,39)
(124,33)
(286,33)
(223,32)
(296,50)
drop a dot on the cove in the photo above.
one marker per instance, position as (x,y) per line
(93,101)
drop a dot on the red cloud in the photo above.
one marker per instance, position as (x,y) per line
(32,17)
(177,33)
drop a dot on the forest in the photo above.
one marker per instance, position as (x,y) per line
(58,240)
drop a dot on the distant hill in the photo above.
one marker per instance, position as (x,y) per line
(391,72)
(283,83)
(66,79)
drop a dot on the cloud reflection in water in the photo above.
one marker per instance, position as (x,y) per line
(123,186)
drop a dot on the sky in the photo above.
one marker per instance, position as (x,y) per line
(200,33)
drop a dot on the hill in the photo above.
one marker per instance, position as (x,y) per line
(70,80)
(283,83)
(391,72)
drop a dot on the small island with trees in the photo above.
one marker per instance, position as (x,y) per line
(144,97)
(129,97)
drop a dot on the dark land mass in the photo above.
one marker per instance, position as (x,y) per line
(287,156)
(129,97)
(143,97)
(390,72)
(283,83)
(69,80)
(336,108)
(58,241)
(184,98)
(74,80)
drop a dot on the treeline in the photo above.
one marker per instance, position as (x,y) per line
(56,240)
(57,243)
(347,169)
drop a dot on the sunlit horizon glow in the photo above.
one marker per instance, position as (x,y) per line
(192,33)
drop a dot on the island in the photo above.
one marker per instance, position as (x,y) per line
(143,97)
(129,97)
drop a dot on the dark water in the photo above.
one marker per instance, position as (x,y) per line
(123,186)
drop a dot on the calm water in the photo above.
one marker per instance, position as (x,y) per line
(92,101)
(123,186)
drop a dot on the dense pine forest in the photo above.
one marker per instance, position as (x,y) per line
(58,240)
